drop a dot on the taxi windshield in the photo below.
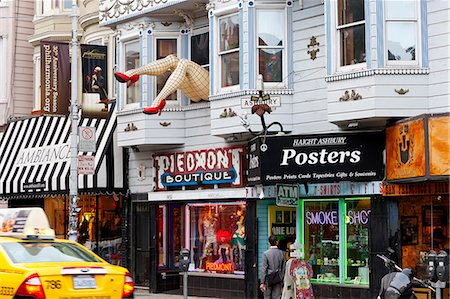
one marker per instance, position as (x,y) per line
(43,252)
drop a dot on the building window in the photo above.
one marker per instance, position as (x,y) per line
(271,36)
(165,47)
(401,31)
(200,49)
(217,237)
(67,4)
(132,61)
(351,32)
(323,227)
(229,50)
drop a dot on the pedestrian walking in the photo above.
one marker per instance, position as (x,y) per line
(273,268)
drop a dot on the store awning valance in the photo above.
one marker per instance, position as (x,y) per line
(35,156)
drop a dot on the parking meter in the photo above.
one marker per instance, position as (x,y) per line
(184,259)
(442,266)
(431,268)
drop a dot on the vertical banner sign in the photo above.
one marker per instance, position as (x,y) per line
(94,73)
(55,77)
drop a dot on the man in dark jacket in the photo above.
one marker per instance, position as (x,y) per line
(273,259)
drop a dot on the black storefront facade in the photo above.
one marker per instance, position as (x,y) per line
(35,165)
(334,184)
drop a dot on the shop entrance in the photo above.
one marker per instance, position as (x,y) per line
(141,241)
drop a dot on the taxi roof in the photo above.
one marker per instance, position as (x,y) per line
(25,223)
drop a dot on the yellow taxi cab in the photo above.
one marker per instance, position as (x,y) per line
(36,265)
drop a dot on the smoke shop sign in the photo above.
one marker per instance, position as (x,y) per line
(316,158)
(200,167)
(331,217)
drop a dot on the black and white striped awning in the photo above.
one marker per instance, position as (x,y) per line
(35,157)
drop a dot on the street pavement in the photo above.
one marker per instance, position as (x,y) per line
(144,294)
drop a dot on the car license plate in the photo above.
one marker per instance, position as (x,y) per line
(84,282)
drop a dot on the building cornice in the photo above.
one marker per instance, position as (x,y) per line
(379,71)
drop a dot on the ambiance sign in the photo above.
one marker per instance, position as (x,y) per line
(316,158)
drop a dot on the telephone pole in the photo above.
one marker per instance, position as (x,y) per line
(73,178)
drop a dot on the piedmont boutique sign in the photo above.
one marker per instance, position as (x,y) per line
(316,158)
(200,167)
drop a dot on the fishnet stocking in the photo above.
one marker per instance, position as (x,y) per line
(189,77)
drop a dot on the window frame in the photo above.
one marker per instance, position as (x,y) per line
(284,54)
(161,36)
(55,7)
(336,40)
(123,91)
(343,245)
(417,22)
(219,53)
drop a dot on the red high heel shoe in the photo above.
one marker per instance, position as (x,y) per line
(157,109)
(122,78)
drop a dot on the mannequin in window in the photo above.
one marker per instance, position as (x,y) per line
(238,239)
(223,239)
(187,76)
(207,228)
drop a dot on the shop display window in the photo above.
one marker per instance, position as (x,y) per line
(336,240)
(170,235)
(99,223)
(282,224)
(217,237)
(424,226)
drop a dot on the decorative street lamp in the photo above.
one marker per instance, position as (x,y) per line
(260,108)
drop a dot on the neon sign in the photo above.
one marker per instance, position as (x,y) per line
(220,267)
(331,217)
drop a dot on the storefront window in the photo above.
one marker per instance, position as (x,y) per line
(55,208)
(424,226)
(322,239)
(356,220)
(217,234)
(326,222)
(170,219)
(99,223)
(282,224)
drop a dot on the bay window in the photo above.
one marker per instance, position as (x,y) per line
(351,31)
(229,50)
(200,49)
(401,31)
(132,61)
(165,47)
(270,44)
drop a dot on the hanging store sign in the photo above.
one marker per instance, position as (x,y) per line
(249,103)
(418,148)
(316,158)
(55,77)
(201,167)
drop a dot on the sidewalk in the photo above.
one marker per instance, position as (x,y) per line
(144,294)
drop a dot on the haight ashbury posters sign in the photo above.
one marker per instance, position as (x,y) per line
(316,158)
(55,77)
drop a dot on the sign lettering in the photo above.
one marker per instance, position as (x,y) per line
(210,166)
